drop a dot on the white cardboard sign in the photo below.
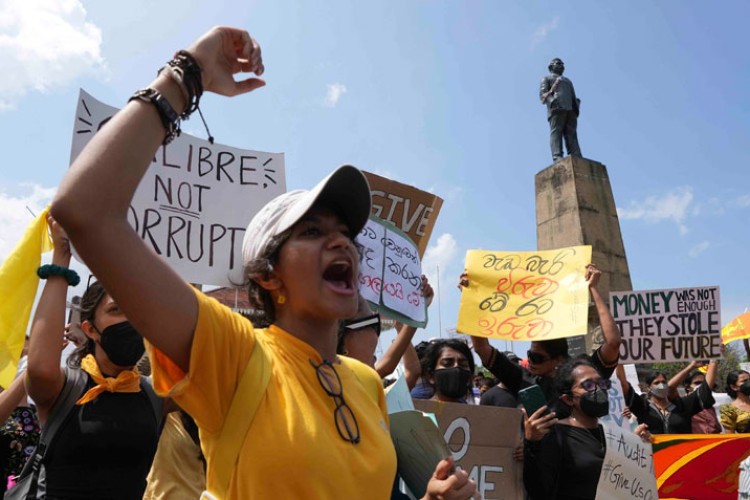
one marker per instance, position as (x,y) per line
(390,275)
(195,200)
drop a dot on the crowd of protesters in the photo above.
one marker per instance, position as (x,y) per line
(305,366)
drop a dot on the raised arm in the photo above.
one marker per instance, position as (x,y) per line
(94,197)
(679,378)
(389,361)
(412,366)
(44,377)
(610,349)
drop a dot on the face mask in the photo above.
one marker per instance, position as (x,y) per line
(452,382)
(660,390)
(122,344)
(595,403)
(745,388)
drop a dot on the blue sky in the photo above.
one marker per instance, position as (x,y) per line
(440,95)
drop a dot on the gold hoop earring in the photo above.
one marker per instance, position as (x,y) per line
(281,300)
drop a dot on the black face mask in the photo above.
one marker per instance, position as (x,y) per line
(745,388)
(595,403)
(122,343)
(452,382)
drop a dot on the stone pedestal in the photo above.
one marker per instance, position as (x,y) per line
(575,206)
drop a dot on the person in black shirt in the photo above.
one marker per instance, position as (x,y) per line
(662,412)
(563,457)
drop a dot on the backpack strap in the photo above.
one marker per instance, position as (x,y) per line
(75,383)
(247,398)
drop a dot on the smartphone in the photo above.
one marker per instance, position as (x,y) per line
(532,398)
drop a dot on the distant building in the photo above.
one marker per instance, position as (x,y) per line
(233,298)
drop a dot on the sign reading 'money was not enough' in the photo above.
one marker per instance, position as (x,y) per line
(195,200)
(680,324)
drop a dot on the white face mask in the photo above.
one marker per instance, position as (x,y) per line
(660,390)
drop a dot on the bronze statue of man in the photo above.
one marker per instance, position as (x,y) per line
(558,94)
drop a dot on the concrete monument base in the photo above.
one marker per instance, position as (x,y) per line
(575,206)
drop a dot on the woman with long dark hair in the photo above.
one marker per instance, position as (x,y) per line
(563,457)
(106,444)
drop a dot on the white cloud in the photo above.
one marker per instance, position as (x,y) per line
(45,44)
(673,206)
(699,249)
(15,216)
(334,93)
(440,255)
(743,201)
(543,31)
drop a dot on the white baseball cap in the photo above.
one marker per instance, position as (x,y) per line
(345,190)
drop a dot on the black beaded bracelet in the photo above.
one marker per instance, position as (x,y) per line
(48,270)
(169,117)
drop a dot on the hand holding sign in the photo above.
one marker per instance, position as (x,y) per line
(390,275)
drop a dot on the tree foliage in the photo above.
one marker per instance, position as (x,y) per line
(733,355)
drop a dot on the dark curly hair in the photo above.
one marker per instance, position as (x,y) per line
(264,310)
(89,302)
(435,348)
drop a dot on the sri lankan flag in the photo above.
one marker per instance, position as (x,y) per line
(699,466)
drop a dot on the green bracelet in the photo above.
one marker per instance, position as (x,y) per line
(48,270)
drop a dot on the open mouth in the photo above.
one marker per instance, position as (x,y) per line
(340,274)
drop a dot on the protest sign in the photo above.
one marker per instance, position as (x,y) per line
(628,467)
(680,324)
(390,273)
(699,465)
(196,198)
(616,405)
(410,209)
(482,439)
(526,295)
(738,328)
(419,448)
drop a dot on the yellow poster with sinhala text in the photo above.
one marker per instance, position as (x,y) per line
(526,295)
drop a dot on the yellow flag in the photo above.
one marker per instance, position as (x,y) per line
(526,295)
(738,328)
(18,286)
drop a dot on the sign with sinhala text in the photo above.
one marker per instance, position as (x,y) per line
(681,324)
(390,273)
(526,295)
(195,200)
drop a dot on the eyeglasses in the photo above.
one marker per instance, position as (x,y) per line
(372,321)
(346,422)
(536,358)
(604,384)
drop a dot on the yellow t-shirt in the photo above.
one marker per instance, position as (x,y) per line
(292,449)
(177,472)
